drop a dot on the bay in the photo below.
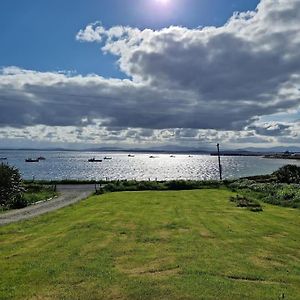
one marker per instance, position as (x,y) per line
(74,165)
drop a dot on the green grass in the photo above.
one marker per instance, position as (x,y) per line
(153,245)
(33,197)
(32,194)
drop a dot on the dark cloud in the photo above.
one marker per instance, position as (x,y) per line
(78,101)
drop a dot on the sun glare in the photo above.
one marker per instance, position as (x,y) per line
(164,2)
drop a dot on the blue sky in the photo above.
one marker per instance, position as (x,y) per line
(40,35)
(140,73)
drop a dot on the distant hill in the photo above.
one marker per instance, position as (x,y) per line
(176,149)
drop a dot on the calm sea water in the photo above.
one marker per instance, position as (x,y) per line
(75,165)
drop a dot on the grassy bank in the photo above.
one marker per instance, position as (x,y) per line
(36,193)
(32,193)
(153,245)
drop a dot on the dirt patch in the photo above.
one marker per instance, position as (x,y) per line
(151,271)
(293,257)
(159,267)
(206,234)
(164,234)
(115,294)
(275,236)
(266,261)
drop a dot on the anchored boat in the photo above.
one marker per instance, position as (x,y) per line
(30,160)
(94,160)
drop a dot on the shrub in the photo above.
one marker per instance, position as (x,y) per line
(283,194)
(18,202)
(11,187)
(288,174)
(191,184)
(132,185)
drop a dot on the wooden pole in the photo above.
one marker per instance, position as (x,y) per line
(219,159)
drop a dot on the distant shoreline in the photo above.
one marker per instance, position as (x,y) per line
(238,154)
(282,156)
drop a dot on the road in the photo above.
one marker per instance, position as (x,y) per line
(68,194)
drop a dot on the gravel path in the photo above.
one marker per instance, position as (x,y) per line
(69,194)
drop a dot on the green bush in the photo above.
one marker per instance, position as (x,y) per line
(191,184)
(132,185)
(283,194)
(11,187)
(18,202)
(288,174)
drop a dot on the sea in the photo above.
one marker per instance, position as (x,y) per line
(59,165)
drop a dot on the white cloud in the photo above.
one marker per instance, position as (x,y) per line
(92,33)
(189,82)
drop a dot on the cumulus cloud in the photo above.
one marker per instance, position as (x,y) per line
(212,78)
(92,33)
(272,129)
(253,59)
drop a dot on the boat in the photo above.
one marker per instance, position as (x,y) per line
(106,157)
(131,155)
(41,158)
(151,156)
(173,156)
(30,160)
(3,158)
(94,160)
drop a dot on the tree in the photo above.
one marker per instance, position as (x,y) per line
(288,174)
(11,187)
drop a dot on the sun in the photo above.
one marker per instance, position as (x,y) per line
(164,2)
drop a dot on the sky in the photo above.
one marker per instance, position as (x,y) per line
(145,73)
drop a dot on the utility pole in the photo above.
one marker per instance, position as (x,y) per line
(219,159)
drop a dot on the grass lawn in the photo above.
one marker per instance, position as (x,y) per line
(153,245)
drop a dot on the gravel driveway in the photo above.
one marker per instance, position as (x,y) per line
(69,194)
